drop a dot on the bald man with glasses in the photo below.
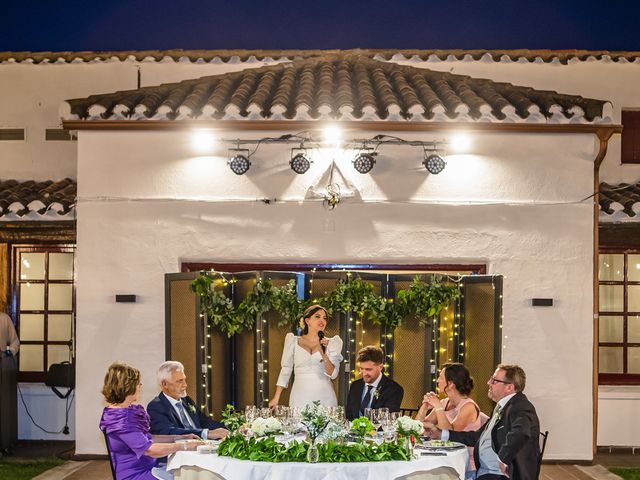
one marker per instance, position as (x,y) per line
(507,446)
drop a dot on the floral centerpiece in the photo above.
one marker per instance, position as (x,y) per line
(266,426)
(408,429)
(232,419)
(361,426)
(320,428)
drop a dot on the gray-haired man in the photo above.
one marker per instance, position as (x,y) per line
(173,412)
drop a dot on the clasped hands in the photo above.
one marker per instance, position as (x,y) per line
(432,400)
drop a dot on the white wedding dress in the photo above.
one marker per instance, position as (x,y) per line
(311,380)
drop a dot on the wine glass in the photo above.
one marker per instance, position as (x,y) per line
(265,412)
(250,413)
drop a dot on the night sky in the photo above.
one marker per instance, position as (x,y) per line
(321,24)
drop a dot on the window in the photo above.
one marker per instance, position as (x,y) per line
(631,136)
(619,330)
(44,306)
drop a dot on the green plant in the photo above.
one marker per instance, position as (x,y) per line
(266,449)
(361,426)
(232,419)
(352,294)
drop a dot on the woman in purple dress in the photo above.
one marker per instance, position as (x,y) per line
(134,451)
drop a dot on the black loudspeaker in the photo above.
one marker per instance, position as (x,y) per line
(542,302)
(121,298)
(61,375)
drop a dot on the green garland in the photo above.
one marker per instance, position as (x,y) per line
(422,300)
(266,449)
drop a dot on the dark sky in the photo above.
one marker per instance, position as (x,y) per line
(325,24)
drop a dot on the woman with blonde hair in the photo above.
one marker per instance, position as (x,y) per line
(125,423)
(315,360)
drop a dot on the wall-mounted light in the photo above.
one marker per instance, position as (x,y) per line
(300,161)
(332,135)
(433,162)
(203,141)
(239,161)
(460,143)
(364,162)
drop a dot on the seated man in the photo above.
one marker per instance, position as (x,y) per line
(172,412)
(380,391)
(507,446)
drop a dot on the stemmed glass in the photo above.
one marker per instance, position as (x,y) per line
(250,413)
(376,419)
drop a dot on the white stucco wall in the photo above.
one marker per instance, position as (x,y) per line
(512,204)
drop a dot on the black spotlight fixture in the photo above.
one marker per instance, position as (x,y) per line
(434,163)
(239,161)
(364,162)
(300,161)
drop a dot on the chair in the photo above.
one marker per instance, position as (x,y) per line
(410,412)
(543,444)
(111,464)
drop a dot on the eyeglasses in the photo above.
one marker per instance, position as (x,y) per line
(494,380)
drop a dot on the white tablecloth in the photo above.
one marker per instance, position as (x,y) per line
(192,465)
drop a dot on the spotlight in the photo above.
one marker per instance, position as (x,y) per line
(299,162)
(364,162)
(332,135)
(239,161)
(460,142)
(434,163)
(202,141)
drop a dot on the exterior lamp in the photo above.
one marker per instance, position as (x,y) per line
(364,162)
(300,161)
(434,163)
(239,161)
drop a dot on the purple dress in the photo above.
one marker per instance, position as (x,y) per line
(128,433)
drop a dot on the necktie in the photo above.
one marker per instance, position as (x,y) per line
(496,413)
(366,400)
(183,416)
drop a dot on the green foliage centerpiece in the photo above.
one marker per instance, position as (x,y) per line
(324,442)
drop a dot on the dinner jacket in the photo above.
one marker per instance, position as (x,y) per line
(514,437)
(388,394)
(166,421)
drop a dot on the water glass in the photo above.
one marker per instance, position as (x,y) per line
(250,413)
(265,412)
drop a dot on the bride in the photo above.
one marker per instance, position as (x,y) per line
(313,358)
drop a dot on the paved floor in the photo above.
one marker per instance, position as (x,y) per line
(100,470)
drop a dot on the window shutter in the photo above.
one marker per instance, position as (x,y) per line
(631,136)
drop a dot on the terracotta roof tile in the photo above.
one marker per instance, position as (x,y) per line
(21,198)
(340,87)
(620,200)
(236,56)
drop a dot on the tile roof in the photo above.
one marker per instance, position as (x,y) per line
(338,87)
(619,202)
(31,199)
(238,56)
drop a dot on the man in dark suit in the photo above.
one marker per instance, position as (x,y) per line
(507,446)
(373,390)
(172,412)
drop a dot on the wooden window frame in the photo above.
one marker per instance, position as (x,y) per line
(17,249)
(619,378)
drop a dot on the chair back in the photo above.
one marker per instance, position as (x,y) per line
(543,444)
(111,462)
(409,412)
